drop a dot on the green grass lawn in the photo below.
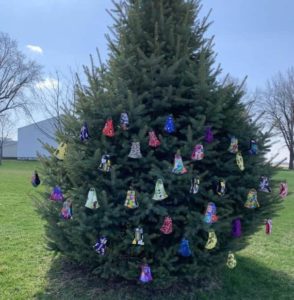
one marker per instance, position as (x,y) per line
(28,271)
(23,258)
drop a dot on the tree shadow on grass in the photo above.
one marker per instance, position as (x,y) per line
(249,280)
(255,281)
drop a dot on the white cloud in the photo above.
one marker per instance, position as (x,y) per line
(48,83)
(35,49)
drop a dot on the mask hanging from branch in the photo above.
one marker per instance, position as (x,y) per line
(169,126)
(108,129)
(159,193)
(234,145)
(184,249)
(264,185)
(179,167)
(198,152)
(167,226)
(124,121)
(283,189)
(208,135)
(105,164)
(240,161)
(66,211)
(212,240)
(56,194)
(138,240)
(61,150)
(153,140)
(146,275)
(35,179)
(268,226)
(131,201)
(251,201)
(231,261)
(92,202)
(253,147)
(84,133)
(100,246)
(236,228)
(135,150)
(210,213)
(195,182)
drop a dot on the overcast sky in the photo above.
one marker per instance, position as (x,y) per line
(252,37)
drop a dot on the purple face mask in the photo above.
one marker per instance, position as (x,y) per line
(208,135)
(236,228)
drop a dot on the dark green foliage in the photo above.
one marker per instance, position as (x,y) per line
(160,63)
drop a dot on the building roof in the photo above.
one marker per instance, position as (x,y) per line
(31,138)
(40,123)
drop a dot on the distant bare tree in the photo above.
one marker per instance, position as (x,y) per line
(278,103)
(6,126)
(53,97)
(16,74)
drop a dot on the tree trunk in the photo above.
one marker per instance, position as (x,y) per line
(1,152)
(291,165)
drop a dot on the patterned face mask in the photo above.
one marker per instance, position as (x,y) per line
(124,121)
(198,152)
(56,194)
(92,202)
(234,145)
(210,214)
(159,193)
(138,240)
(283,190)
(251,201)
(167,226)
(135,150)
(108,129)
(146,275)
(253,148)
(179,167)
(84,134)
(131,201)
(169,126)
(100,246)
(264,185)
(105,164)
(194,188)
(153,140)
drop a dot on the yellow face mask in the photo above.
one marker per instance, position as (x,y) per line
(212,240)
(60,152)
(231,261)
(239,160)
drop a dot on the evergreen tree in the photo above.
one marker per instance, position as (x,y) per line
(160,65)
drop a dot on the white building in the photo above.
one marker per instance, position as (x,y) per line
(9,149)
(31,138)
